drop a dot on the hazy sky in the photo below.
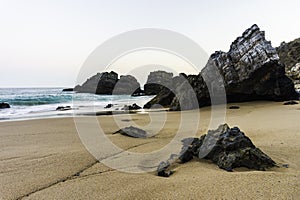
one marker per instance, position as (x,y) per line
(45,42)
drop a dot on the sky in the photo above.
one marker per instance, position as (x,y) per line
(44,43)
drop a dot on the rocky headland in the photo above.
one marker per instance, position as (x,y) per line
(250,70)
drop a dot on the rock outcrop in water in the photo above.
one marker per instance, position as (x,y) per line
(4,105)
(157,81)
(227,147)
(250,71)
(108,83)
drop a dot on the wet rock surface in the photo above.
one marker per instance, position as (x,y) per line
(4,105)
(132,131)
(249,71)
(227,147)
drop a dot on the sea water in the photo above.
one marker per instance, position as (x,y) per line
(28,103)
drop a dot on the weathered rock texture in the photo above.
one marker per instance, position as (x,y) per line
(157,81)
(289,54)
(227,147)
(132,131)
(250,70)
(127,85)
(108,83)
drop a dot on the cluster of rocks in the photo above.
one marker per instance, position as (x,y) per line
(131,107)
(250,70)
(227,147)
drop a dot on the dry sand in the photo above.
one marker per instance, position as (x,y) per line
(45,159)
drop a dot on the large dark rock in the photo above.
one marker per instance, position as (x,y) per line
(4,105)
(127,85)
(250,70)
(68,90)
(227,147)
(90,85)
(157,81)
(166,95)
(108,83)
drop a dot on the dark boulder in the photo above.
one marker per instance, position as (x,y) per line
(90,85)
(68,90)
(249,71)
(132,131)
(157,81)
(290,103)
(109,105)
(234,107)
(63,108)
(107,83)
(227,147)
(4,105)
(166,95)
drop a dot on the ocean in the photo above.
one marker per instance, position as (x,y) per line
(34,103)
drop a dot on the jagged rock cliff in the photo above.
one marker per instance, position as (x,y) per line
(250,70)
(108,83)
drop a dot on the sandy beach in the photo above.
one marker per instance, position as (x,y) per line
(45,159)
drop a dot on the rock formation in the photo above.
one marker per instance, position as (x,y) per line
(250,70)
(68,90)
(127,85)
(289,55)
(108,83)
(227,147)
(157,81)
(4,105)
(132,131)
